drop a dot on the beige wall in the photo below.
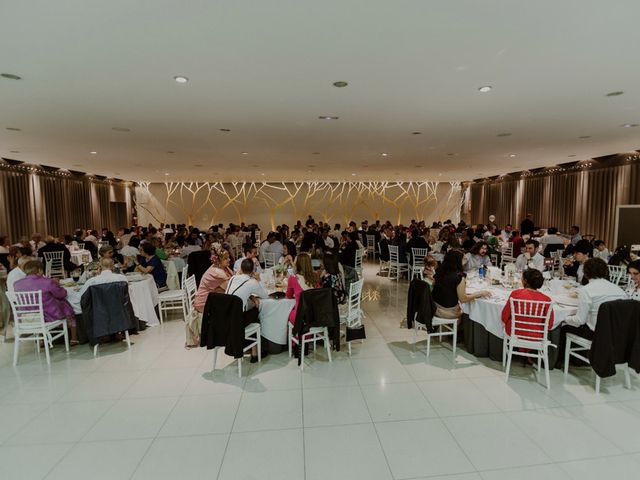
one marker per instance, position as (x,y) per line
(270,204)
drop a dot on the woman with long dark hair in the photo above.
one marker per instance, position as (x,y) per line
(450,288)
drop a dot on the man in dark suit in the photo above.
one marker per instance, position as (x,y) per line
(527,226)
(52,246)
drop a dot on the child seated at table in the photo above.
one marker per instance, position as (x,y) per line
(532,280)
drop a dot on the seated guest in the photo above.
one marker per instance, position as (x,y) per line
(327,241)
(477,257)
(601,251)
(348,249)
(450,286)
(385,241)
(17,273)
(416,241)
(247,287)
(107,251)
(532,280)
(52,246)
(251,253)
(468,240)
(288,254)
(621,257)
(598,289)
(330,277)
(574,232)
(105,275)
(274,245)
(574,265)
(518,243)
(36,242)
(190,246)
(130,252)
(302,280)
(4,244)
(214,280)
(429,271)
(147,262)
(551,241)
(531,258)
(54,298)
(633,289)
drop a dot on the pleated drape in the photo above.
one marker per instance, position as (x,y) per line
(56,205)
(587,198)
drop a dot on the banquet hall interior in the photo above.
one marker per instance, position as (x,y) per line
(319,240)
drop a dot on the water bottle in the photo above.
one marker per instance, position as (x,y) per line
(482,273)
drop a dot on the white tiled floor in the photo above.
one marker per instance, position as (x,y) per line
(158,412)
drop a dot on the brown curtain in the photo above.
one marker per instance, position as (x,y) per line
(37,201)
(587,198)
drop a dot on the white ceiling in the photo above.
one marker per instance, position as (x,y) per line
(264,69)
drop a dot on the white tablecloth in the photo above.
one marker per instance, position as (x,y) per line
(179,263)
(143,295)
(488,311)
(80,256)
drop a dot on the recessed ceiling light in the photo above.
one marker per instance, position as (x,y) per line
(167,173)
(513,155)
(311,166)
(630,125)
(14,129)
(417,166)
(416,133)
(245,153)
(10,76)
(384,154)
(340,84)
(181,79)
(503,135)
(255,166)
(585,136)
(170,152)
(225,129)
(120,129)
(328,117)
(93,153)
(353,174)
(572,155)
(315,153)
(15,151)
(450,154)
(262,174)
(485,88)
(614,94)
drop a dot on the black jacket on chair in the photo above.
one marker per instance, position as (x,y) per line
(106,309)
(222,324)
(420,304)
(199,262)
(616,339)
(318,307)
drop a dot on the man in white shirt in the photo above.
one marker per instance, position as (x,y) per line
(551,238)
(328,241)
(601,250)
(251,253)
(575,235)
(531,258)
(590,296)
(17,273)
(274,246)
(106,275)
(246,285)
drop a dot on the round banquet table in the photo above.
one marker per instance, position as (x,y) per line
(274,313)
(143,294)
(482,319)
(178,262)
(80,256)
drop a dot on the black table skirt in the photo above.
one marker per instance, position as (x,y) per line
(481,343)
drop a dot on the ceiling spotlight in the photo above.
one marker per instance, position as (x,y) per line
(180,79)
(328,117)
(120,129)
(225,129)
(167,173)
(15,151)
(170,152)
(14,129)
(245,153)
(485,88)
(315,153)
(10,76)
(630,125)
(572,155)
(262,174)
(93,153)
(353,174)
(340,84)
(384,154)
(614,94)
(416,133)
(513,155)
(585,136)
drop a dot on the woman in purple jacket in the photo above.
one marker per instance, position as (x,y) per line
(54,298)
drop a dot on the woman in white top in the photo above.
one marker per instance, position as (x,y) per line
(633,289)
(601,250)
(477,257)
